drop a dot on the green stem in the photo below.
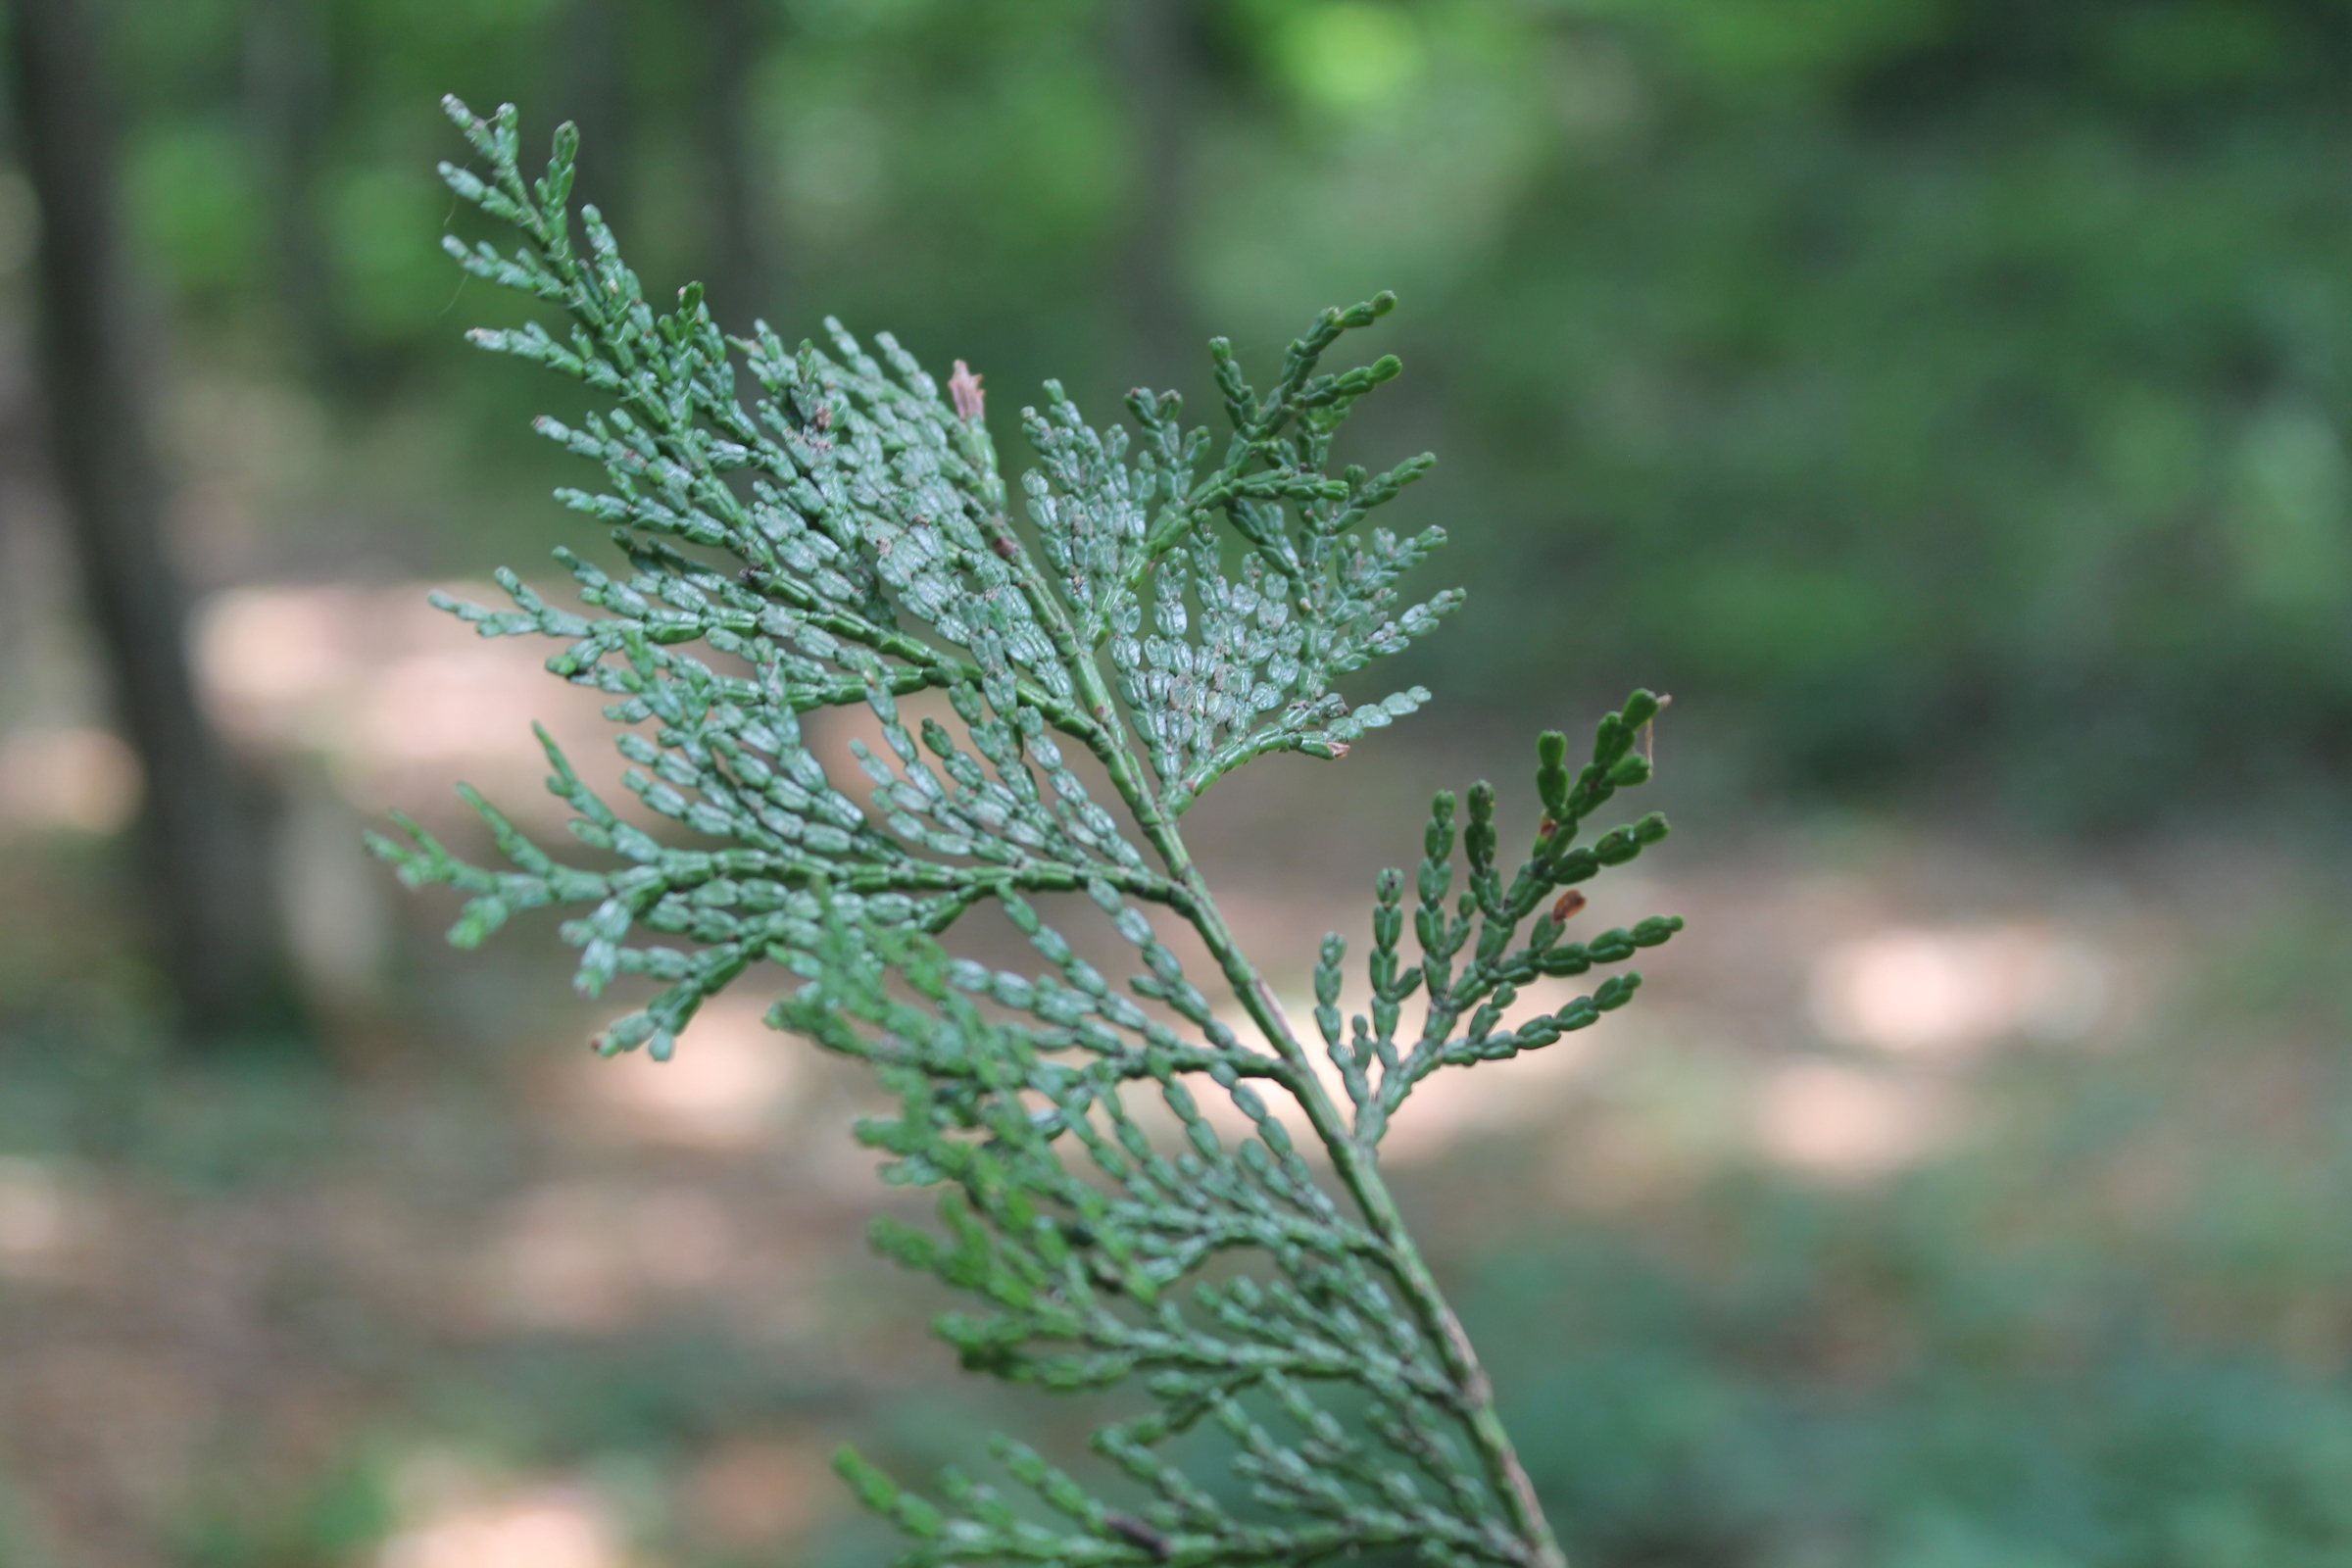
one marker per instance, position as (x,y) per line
(1359,1167)
(1358,1163)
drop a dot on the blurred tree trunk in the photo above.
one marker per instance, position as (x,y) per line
(743,277)
(590,87)
(289,83)
(1153,52)
(207,864)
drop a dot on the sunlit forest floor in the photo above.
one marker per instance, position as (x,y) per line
(1941,1202)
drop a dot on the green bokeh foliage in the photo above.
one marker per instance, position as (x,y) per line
(1952,391)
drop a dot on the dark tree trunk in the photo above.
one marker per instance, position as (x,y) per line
(590,87)
(206,859)
(742,275)
(1153,52)
(289,85)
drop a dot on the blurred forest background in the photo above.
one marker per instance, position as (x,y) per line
(1948,399)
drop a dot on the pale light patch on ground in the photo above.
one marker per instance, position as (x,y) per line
(395,693)
(270,657)
(454,707)
(1930,1001)
(369,698)
(1838,1119)
(729,1085)
(39,1224)
(1928,991)
(82,779)
(456,1522)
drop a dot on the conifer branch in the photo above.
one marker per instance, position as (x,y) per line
(846,542)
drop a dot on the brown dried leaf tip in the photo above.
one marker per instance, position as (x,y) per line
(970,402)
(1570,902)
(1649,734)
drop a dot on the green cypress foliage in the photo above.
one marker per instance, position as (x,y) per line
(846,540)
